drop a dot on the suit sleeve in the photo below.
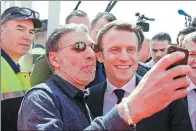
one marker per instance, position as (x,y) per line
(111,121)
(179,116)
(39,112)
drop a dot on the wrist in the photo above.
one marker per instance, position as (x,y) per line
(125,113)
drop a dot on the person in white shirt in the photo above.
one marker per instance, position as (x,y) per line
(158,47)
(189,43)
(144,53)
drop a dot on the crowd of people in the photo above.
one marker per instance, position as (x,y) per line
(102,74)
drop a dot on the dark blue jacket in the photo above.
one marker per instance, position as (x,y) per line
(47,107)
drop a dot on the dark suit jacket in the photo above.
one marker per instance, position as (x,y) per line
(142,69)
(175,117)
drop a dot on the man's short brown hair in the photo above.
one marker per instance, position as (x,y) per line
(120,25)
(79,13)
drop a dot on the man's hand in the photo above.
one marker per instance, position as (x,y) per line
(158,88)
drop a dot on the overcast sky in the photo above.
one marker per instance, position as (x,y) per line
(165,13)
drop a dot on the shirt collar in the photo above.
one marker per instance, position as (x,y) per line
(66,87)
(151,63)
(191,87)
(128,87)
(14,66)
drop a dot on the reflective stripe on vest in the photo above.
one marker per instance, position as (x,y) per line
(10,95)
(13,85)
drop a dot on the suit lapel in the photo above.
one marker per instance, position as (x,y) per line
(96,100)
(138,78)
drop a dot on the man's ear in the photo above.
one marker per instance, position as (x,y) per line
(53,59)
(99,56)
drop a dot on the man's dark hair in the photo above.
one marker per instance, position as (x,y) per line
(162,36)
(185,32)
(79,13)
(103,15)
(120,25)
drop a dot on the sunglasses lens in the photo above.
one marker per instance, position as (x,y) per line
(37,15)
(80,46)
(25,11)
(92,46)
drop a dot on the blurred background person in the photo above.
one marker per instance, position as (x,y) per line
(158,47)
(144,53)
(78,17)
(101,19)
(183,33)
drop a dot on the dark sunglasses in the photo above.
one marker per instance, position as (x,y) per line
(27,12)
(81,46)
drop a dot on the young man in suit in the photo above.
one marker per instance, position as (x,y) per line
(101,19)
(119,43)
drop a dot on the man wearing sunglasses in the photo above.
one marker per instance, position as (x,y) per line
(17,33)
(41,69)
(59,103)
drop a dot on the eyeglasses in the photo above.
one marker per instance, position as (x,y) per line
(81,46)
(27,12)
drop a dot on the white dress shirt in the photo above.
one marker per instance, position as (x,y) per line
(110,98)
(150,63)
(191,99)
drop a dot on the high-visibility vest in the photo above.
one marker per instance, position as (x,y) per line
(13,85)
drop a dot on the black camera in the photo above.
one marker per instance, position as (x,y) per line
(145,26)
(142,22)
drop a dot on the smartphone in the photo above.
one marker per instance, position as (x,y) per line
(184,61)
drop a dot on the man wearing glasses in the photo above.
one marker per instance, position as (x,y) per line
(59,103)
(17,33)
(41,69)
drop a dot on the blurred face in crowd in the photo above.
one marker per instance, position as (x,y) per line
(94,30)
(17,36)
(158,49)
(119,56)
(80,20)
(144,52)
(192,58)
(77,67)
